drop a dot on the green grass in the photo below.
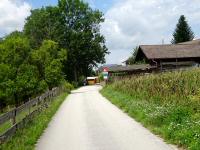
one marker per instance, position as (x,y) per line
(168,104)
(4,127)
(25,139)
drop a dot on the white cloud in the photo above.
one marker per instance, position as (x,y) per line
(12,15)
(133,22)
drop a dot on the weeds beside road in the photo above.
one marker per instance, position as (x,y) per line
(168,104)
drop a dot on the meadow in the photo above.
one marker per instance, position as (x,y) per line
(166,103)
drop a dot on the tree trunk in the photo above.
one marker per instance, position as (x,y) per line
(16,100)
(75,74)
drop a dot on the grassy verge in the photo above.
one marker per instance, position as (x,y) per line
(168,104)
(25,139)
(19,118)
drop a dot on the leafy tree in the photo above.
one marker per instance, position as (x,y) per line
(83,39)
(53,74)
(75,27)
(64,38)
(14,52)
(44,24)
(48,51)
(26,82)
(6,85)
(131,59)
(183,31)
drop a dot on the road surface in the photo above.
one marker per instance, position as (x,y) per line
(88,121)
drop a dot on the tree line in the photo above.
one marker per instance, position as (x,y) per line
(58,44)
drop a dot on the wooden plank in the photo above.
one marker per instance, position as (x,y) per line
(11,114)
(26,106)
(7,116)
(21,109)
(9,132)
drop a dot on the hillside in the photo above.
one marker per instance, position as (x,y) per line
(167,103)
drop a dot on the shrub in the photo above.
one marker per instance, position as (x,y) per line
(68,86)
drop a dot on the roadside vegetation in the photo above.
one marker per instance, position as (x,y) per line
(25,139)
(58,44)
(167,103)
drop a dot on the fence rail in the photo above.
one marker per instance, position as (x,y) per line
(18,117)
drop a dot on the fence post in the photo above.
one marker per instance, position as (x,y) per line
(14,116)
(37,107)
(29,111)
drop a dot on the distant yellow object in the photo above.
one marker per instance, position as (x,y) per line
(92,80)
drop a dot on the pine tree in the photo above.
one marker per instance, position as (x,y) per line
(183,31)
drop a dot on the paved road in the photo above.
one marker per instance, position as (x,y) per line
(87,121)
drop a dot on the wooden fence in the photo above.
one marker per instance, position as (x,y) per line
(18,117)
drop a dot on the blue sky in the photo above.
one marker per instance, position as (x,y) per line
(40,3)
(128,23)
(102,5)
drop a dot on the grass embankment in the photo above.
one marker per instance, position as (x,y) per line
(4,127)
(168,104)
(25,139)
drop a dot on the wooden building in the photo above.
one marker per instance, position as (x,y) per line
(118,72)
(170,56)
(156,58)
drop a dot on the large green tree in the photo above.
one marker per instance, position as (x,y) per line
(18,78)
(44,24)
(83,39)
(75,27)
(27,72)
(183,31)
(49,60)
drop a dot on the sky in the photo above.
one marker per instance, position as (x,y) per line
(128,23)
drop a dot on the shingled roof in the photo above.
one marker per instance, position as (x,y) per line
(130,68)
(181,50)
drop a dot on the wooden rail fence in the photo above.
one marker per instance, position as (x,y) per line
(18,117)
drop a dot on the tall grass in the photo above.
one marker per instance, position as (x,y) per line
(167,103)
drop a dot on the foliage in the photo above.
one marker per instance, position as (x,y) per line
(85,43)
(26,81)
(25,72)
(101,78)
(53,74)
(25,139)
(167,103)
(48,59)
(183,31)
(131,59)
(14,52)
(44,24)
(68,86)
(75,27)
(81,80)
(75,84)
(58,43)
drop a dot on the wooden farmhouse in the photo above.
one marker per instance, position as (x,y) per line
(156,58)
(171,56)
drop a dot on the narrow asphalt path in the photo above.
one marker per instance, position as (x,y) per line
(88,121)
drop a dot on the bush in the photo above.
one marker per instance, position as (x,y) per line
(75,84)
(67,86)
(101,78)
(81,80)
